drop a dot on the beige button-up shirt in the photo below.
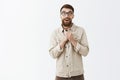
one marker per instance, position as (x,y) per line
(69,60)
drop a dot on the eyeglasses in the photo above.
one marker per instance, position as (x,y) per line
(63,13)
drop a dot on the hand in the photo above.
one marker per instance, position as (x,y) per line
(65,39)
(69,35)
(71,39)
(63,42)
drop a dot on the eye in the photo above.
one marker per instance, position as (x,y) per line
(70,12)
(63,12)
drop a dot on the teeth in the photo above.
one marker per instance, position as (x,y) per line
(66,20)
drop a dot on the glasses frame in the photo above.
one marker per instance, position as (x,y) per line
(63,13)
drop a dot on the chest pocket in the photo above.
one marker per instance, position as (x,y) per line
(77,36)
(60,37)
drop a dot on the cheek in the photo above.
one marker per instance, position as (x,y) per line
(61,17)
(72,17)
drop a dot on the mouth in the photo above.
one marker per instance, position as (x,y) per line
(67,20)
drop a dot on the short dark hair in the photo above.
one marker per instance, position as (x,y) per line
(67,6)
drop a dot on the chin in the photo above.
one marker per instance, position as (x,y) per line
(67,24)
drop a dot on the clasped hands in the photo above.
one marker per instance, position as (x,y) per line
(69,37)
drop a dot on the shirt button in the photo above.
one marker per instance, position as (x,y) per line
(66,56)
(67,65)
(68,46)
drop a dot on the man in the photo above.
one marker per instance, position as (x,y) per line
(67,45)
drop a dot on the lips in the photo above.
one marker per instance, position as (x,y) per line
(66,20)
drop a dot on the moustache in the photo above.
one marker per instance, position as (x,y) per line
(67,19)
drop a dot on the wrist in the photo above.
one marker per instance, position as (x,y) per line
(74,42)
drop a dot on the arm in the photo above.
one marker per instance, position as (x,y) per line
(56,48)
(82,45)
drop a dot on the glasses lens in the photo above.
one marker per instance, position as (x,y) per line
(66,13)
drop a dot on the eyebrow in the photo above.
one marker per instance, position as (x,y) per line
(67,11)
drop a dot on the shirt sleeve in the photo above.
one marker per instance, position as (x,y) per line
(54,49)
(82,45)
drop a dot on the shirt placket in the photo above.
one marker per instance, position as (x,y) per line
(68,61)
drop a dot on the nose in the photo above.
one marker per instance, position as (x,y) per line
(66,15)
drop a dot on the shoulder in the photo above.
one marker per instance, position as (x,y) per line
(56,31)
(79,28)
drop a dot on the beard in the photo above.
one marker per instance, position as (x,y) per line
(67,22)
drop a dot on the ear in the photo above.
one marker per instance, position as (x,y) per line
(60,17)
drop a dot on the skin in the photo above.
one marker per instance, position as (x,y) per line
(68,36)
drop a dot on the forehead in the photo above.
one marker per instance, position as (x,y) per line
(66,9)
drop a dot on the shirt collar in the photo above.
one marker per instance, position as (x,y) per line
(72,28)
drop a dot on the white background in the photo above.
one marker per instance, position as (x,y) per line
(26,26)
